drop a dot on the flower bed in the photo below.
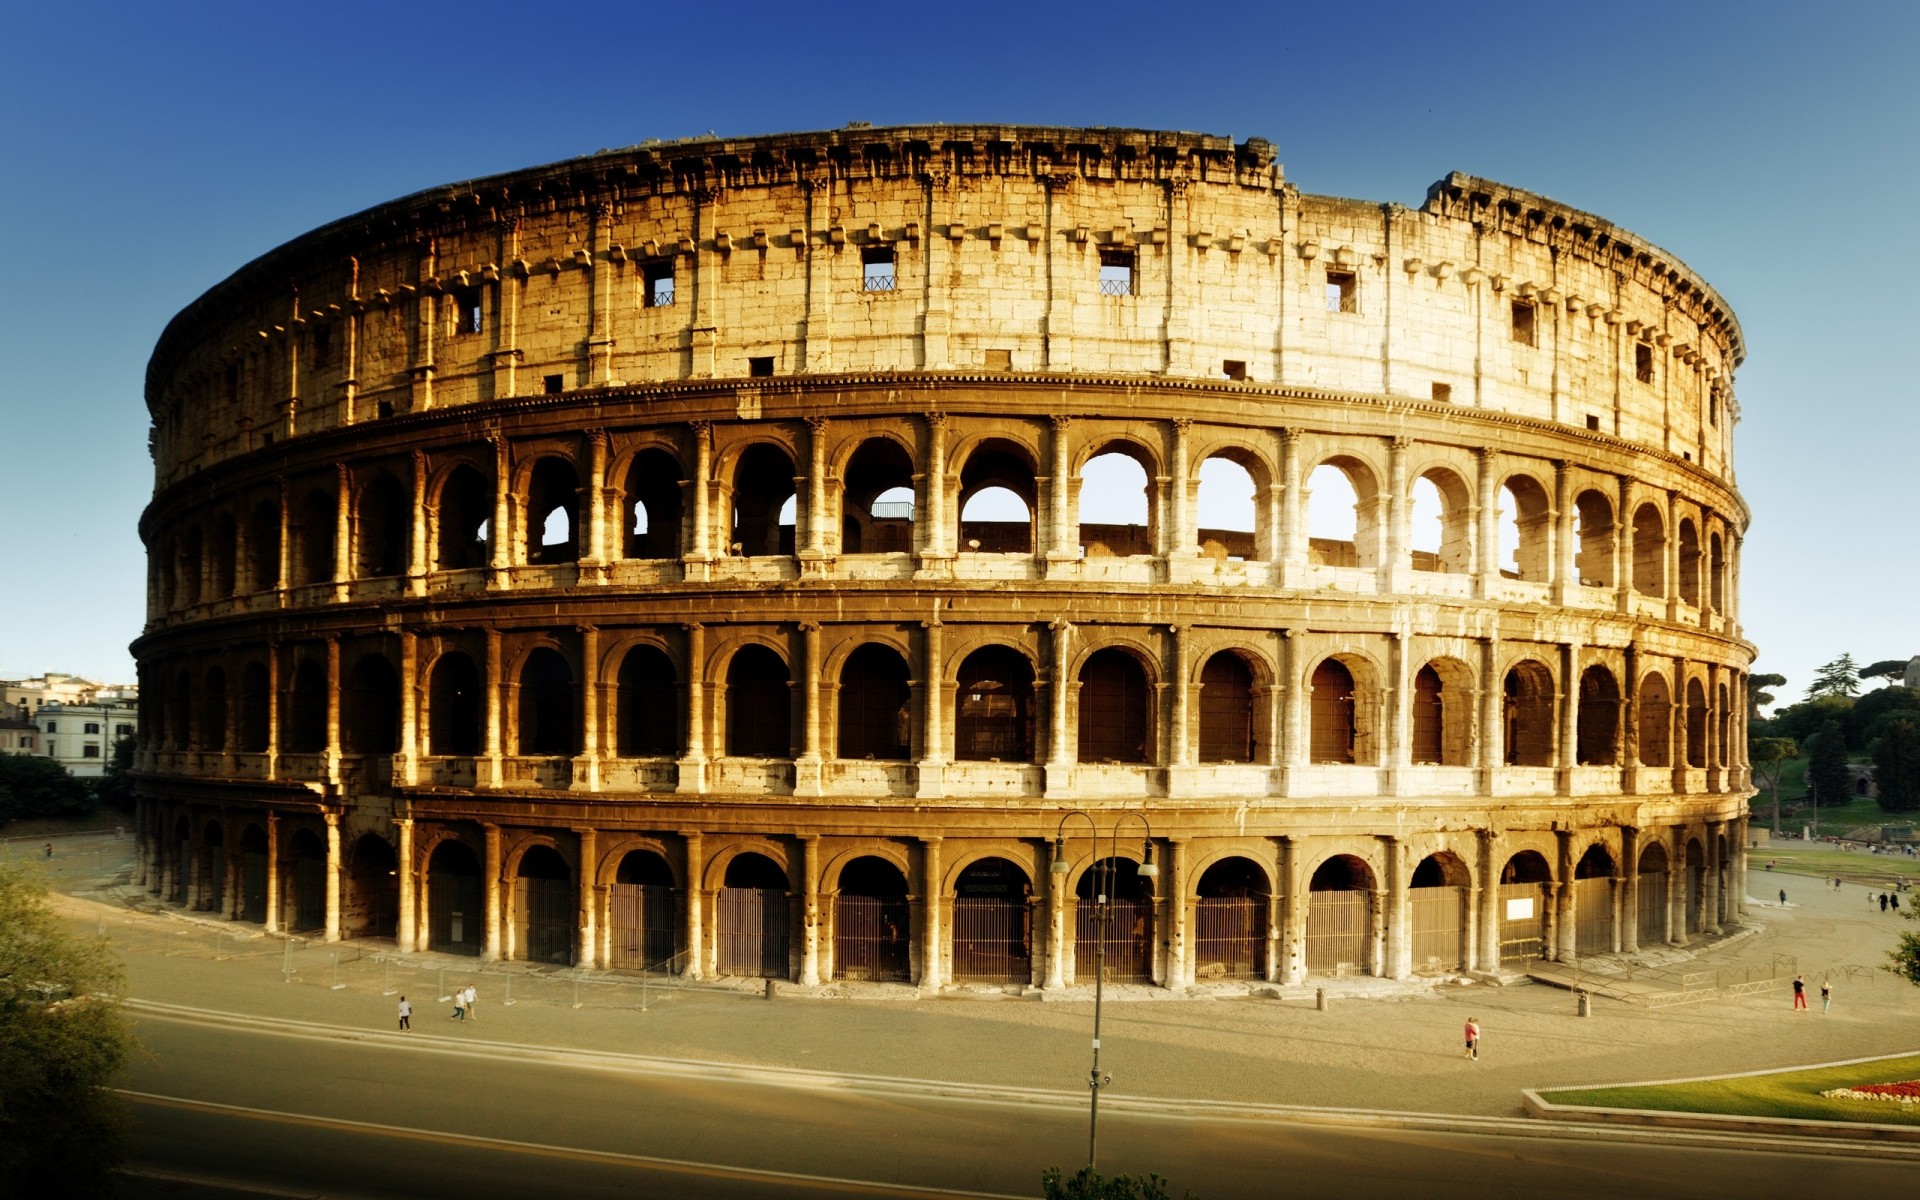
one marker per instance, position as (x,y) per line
(1905,1092)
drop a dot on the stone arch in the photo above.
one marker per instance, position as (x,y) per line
(1654,716)
(993,473)
(462,518)
(1649,550)
(1440,508)
(761,486)
(211,867)
(192,565)
(1526,526)
(1527,721)
(1438,912)
(212,722)
(263,546)
(304,905)
(878,507)
(1722,727)
(1689,551)
(1343,518)
(1593,534)
(1104,499)
(1696,723)
(1716,573)
(752,925)
(1229,725)
(1341,916)
(1523,895)
(1118,709)
(545,903)
(643,920)
(1232,900)
(1652,912)
(255,692)
(304,729)
(225,556)
(871,917)
(1231,516)
(456,706)
(313,527)
(874,704)
(370,709)
(646,706)
(370,899)
(253,874)
(552,510)
(993,710)
(382,527)
(1593,885)
(650,505)
(992,917)
(1442,713)
(549,704)
(1344,695)
(759,703)
(1119,933)
(1597,736)
(1694,891)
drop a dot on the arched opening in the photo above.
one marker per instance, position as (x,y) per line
(1696,724)
(877,510)
(263,547)
(371,905)
(306,720)
(1722,728)
(549,721)
(1440,535)
(371,710)
(1226,709)
(870,923)
(1226,514)
(382,529)
(1696,885)
(306,882)
(1656,722)
(456,708)
(169,571)
(1523,897)
(464,519)
(1651,911)
(553,512)
(650,506)
(1340,917)
(182,860)
(1342,515)
(1593,539)
(253,875)
(1334,738)
(313,531)
(180,712)
(226,552)
(750,919)
(1437,905)
(455,924)
(213,712)
(1429,717)
(762,487)
(1689,562)
(192,565)
(759,705)
(1115,506)
(543,907)
(997,499)
(213,868)
(1528,723)
(1525,521)
(876,713)
(1115,709)
(993,923)
(641,915)
(1598,732)
(1649,551)
(1113,929)
(1230,921)
(647,705)
(993,718)
(254,692)
(1593,902)
(1717,574)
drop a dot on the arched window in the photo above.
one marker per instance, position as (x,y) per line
(993,717)
(1649,551)
(647,705)
(1230,921)
(1598,735)
(1115,702)
(465,518)
(1333,738)
(454,895)
(1226,709)
(877,514)
(1655,718)
(1441,525)
(1526,521)
(1529,716)
(871,919)
(192,564)
(253,709)
(1593,539)
(759,705)
(263,547)
(372,707)
(553,512)
(213,711)
(1429,717)
(1717,574)
(876,718)
(544,897)
(226,550)
(306,720)
(313,537)
(1227,516)
(1339,925)
(382,529)
(1689,562)
(762,487)
(1116,507)
(1343,528)
(549,724)
(650,506)
(1696,724)
(456,707)
(997,498)
(993,923)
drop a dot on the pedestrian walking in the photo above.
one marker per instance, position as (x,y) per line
(459,1005)
(1826,995)
(1783,897)
(1883,902)
(49,849)
(1473,1038)
(406,1015)
(471,996)
(1799,992)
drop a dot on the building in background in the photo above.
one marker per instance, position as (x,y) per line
(81,736)
(18,736)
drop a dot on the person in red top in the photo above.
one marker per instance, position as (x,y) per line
(1799,992)
(1473,1038)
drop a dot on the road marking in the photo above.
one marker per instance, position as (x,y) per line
(825,1183)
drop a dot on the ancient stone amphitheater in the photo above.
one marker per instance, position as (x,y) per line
(814,555)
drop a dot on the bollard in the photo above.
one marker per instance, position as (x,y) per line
(336,985)
(508,1002)
(1586,1003)
(771,984)
(1319,999)
(576,993)
(445,995)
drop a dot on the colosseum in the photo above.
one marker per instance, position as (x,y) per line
(848,555)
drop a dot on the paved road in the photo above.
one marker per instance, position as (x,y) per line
(319,1113)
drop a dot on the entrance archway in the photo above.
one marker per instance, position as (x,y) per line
(1230,921)
(1121,928)
(213,868)
(1652,885)
(543,907)
(1340,917)
(454,920)
(641,915)
(1437,903)
(750,916)
(371,906)
(1523,907)
(307,882)
(870,923)
(253,875)
(993,923)
(1593,902)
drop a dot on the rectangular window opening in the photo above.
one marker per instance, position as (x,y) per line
(1443,393)
(1234,369)
(1593,422)
(468,314)
(1116,271)
(323,346)
(89,752)
(1713,410)
(876,267)
(385,409)
(1523,320)
(553,385)
(760,367)
(1342,292)
(999,360)
(1643,363)
(656,283)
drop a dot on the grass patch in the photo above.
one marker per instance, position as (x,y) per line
(1794,1094)
(1822,859)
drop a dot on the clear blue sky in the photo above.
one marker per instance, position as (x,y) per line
(148,150)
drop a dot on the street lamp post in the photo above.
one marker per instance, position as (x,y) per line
(1103,880)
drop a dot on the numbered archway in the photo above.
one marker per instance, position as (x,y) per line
(543,908)
(1523,895)
(455,922)
(871,923)
(641,914)
(1230,921)
(1114,938)
(1437,906)
(750,919)
(1340,917)
(993,924)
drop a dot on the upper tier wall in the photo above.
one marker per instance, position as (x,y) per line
(1083,252)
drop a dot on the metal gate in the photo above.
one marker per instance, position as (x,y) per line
(309,893)
(456,926)
(1230,937)
(253,886)
(1127,940)
(1439,928)
(870,938)
(992,939)
(1696,896)
(751,932)
(1523,921)
(1653,907)
(215,892)
(1337,932)
(543,925)
(1593,915)
(640,918)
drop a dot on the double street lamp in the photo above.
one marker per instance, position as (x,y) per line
(1104,870)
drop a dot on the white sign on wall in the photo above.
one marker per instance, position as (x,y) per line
(1520,909)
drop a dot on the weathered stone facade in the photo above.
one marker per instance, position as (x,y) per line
(472,569)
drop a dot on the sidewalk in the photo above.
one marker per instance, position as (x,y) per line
(1380,1045)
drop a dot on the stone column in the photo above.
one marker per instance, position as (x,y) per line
(1399,914)
(1293,511)
(809,909)
(809,770)
(405,921)
(1061,752)
(696,893)
(1062,543)
(273,871)
(1056,923)
(1566,917)
(490,915)
(1677,888)
(933,715)
(595,551)
(1489,912)
(1180,744)
(816,543)
(406,766)
(191,867)
(587,955)
(1397,700)
(1562,570)
(1486,565)
(1293,914)
(286,550)
(693,766)
(1671,555)
(489,771)
(1396,561)
(932,516)
(417,541)
(700,553)
(1490,713)
(1179,973)
(1710,915)
(1292,751)
(333,709)
(1182,541)
(932,978)
(1623,547)
(1569,729)
(273,710)
(333,875)
(500,532)
(586,768)
(342,530)
(1628,926)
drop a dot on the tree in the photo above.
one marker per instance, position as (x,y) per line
(61,1042)
(115,788)
(1841,677)
(1758,693)
(1870,713)
(1896,764)
(40,787)
(1827,765)
(1887,670)
(1769,756)
(1801,721)
(1906,956)
(1088,1184)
